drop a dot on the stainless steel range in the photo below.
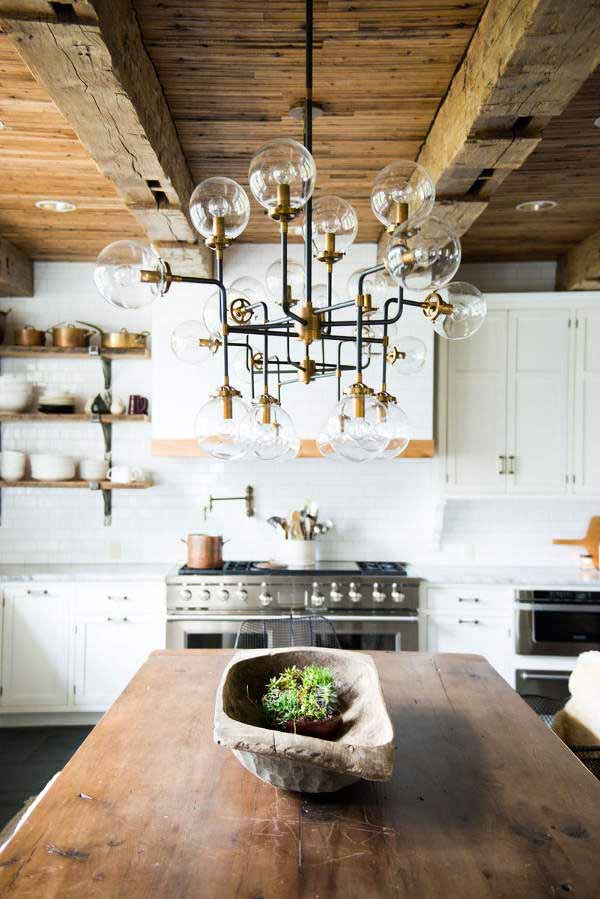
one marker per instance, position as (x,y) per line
(373,605)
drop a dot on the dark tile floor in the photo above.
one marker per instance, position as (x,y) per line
(29,757)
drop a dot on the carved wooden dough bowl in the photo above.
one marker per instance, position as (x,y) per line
(363,749)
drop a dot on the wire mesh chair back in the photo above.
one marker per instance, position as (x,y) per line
(285,631)
(546,708)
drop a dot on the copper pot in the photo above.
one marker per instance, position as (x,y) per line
(68,335)
(123,339)
(204,551)
(29,336)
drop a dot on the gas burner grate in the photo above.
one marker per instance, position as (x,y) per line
(398,568)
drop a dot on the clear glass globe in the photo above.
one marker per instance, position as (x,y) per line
(248,287)
(273,441)
(224,197)
(221,437)
(469,311)
(332,215)
(282,161)
(407,182)
(296,226)
(185,343)
(369,350)
(324,444)
(380,285)
(424,259)
(319,296)
(396,427)
(296,279)
(211,314)
(117,274)
(413,360)
(357,439)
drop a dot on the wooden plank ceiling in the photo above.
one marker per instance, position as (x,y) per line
(231,71)
(564,167)
(40,158)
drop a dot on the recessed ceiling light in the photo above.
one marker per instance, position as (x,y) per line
(55,205)
(536,205)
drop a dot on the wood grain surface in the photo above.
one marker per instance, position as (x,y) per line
(485,801)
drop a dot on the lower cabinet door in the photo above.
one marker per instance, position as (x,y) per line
(35,660)
(108,652)
(488,637)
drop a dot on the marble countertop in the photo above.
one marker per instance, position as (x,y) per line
(92,572)
(508,576)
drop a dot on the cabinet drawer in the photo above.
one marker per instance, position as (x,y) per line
(134,600)
(496,601)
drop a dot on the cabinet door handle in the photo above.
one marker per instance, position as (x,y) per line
(469,599)
(501,464)
(123,620)
(118,598)
(511,465)
(468,621)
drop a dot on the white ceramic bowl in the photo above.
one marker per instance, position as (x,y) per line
(15,397)
(50,467)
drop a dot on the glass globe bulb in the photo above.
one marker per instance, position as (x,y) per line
(282,161)
(220,197)
(117,274)
(211,314)
(412,358)
(324,444)
(357,439)
(296,279)
(397,428)
(402,182)
(424,259)
(469,311)
(248,287)
(218,436)
(273,440)
(319,296)
(369,350)
(380,285)
(332,215)
(186,346)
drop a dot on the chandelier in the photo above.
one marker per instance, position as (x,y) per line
(423,255)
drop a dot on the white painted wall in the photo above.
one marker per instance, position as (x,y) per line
(389,510)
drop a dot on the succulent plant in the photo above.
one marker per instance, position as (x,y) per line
(296,693)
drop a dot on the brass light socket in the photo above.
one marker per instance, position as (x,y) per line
(283,212)
(359,391)
(226,393)
(217,241)
(433,306)
(265,402)
(329,255)
(400,216)
(393,355)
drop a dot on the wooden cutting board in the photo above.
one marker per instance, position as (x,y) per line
(591,540)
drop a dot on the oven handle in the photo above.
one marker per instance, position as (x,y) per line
(393,619)
(556,607)
(525,676)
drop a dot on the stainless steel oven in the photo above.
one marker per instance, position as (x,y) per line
(557,622)
(363,632)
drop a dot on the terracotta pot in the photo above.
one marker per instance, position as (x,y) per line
(204,551)
(325,729)
(29,336)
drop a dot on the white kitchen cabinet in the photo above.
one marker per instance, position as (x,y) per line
(470,632)
(109,649)
(517,410)
(35,647)
(585,475)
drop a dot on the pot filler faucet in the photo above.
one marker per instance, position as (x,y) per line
(248,498)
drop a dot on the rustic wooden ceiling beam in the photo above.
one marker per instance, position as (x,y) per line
(16,271)
(90,57)
(579,269)
(525,62)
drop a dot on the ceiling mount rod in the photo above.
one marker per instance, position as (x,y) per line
(308,123)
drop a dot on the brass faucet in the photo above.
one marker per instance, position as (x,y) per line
(248,498)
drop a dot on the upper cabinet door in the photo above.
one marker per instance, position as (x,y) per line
(537,406)
(476,394)
(587,403)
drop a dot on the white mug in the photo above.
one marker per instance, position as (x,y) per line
(12,465)
(93,469)
(124,474)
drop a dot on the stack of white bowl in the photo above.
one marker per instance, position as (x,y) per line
(15,393)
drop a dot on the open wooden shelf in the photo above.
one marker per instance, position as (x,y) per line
(103,485)
(28,352)
(68,416)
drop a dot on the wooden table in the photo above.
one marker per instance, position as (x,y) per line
(485,802)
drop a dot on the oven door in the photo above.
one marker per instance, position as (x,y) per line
(557,629)
(377,633)
(201,633)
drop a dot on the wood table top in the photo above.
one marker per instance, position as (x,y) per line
(485,801)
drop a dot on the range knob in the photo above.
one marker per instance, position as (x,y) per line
(354,594)
(223,595)
(185,594)
(264,597)
(396,595)
(316,597)
(334,594)
(241,593)
(378,595)
(205,594)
